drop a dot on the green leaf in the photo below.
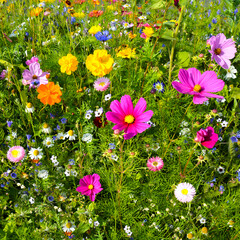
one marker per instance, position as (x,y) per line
(235,93)
(183,59)
(168,35)
(231,148)
(158,4)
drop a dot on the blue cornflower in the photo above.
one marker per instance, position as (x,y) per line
(163,45)
(41,220)
(9,123)
(58,127)
(16,205)
(209,26)
(54,138)
(214,20)
(235,11)
(214,149)
(211,120)
(63,120)
(71,161)
(103,36)
(73,20)
(221,188)
(52,115)
(218,11)
(112,145)
(159,86)
(28,136)
(50,198)
(2,185)
(13,175)
(234,139)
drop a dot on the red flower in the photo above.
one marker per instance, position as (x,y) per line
(95,13)
(99,123)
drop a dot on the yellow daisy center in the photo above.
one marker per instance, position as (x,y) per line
(155,164)
(217,51)
(102,84)
(197,88)
(15,153)
(90,186)
(70,132)
(35,152)
(48,143)
(45,125)
(29,105)
(68,225)
(184,191)
(129,119)
(61,137)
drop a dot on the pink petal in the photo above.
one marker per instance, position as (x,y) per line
(120,126)
(141,127)
(131,129)
(140,107)
(210,95)
(198,99)
(127,105)
(92,197)
(129,135)
(115,106)
(144,117)
(194,76)
(183,76)
(181,87)
(223,62)
(27,75)
(114,117)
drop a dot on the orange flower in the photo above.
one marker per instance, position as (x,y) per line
(49,93)
(36,11)
(95,13)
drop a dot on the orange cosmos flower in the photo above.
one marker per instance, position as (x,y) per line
(49,93)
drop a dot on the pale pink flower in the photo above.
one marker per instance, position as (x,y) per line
(102,84)
(185,192)
(155,164)
(16,154)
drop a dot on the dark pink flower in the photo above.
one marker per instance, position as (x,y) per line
(32,60)
(199,85)
(131,120)
(222,50)
(90,186)
(207,137)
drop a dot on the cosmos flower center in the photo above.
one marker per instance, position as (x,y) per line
(45,125)
(35,152)
(129,119)
(70,132)
(34,76)
(15,153)
(197,88)
(29,105)
(217,51)
(155,164)
(102,84)
(68,225)
(90,186)
(184,191)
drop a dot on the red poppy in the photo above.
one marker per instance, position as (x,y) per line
(99,123)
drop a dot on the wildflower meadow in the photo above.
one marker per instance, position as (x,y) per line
(119,119)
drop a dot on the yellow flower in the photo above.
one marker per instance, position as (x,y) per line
(132,36)
(79,15)
(94,29)
(35,11)
(10,7)
(110,7)
(68,64)
(204,230)
(148,32)
(126,52)
(189,236)
(2,1)
(99,63)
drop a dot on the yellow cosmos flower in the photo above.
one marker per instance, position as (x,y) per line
(94,29)
(126,52)
(35,11)
(68,64)
(99,63)
(148,32)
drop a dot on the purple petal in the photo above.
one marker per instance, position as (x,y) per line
(114,117)
(181,88)
(198,99)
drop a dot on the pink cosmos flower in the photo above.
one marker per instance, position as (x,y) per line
(131,120)
(185,192)
(102,84)
(199,85)
(16,154)
(32,60)
(155,164)
(90,186)
(222,50)
(34,76)
(207,137)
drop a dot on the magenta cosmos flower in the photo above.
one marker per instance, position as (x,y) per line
(90,186)
(185,192)
(34,76)
(207,137)
(199,85)
(102,84)
(155,164)
(32,60)
(131,120)
(16,154)
(222,50)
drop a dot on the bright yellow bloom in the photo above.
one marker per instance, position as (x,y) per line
(79,15)
(99,63)
(96,2)
(94,29)
(126,52)
(148,31)
(132,36)
(111,7)
(35,11)
(10,7)
(68,64)
(2,1)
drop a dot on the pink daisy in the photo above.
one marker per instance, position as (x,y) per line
(155,164)
(222,50)
(101,84)
(185,192)
(16,154)
(90,186)
(199,85)
(131,120)
(207,137)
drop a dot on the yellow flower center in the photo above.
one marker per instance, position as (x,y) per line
(15,153)
(204,230)
(29,105)
(189,235)
(155,164)
(90,186)
(197,88)
(34,76)
(185,191)
(45,125)
(35,152)
(61,137)
(48,143)
(68,225)
(70,132)
(217,51)
(129,119)
(102,84)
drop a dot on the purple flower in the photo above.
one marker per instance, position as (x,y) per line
(13,175)
(3,74)
(214,21)
(50,198)
(29,136)
(9,123)
(63,120)
(234,139)
(32,60)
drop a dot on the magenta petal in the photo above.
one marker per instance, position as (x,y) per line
(131,129)
(114,117)
(27,75)
(224,63)
(181,88)
(127,105)
(92,197)
(183,76)
(120,126)
(211,95)
(197,99)
(210,83)
(141,127)
(129,135)
(115,106)
(144,117)
(140,107)
(194,76)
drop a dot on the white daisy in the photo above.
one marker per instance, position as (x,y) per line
(70,135)
(48,142)
(46,128)
(99,112)
(68,227)
(61,136)
(126,6)
(230,73)
(31,200)
(224,124)
(142,17)
(108,97)
(35,153)
(29,108)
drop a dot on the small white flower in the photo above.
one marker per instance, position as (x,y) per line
(220,139)
(43,174)
(31,200)
(60,136)
(142,17)
(48,142)
(231,73)
(126,6)
(224,124)
(88,115)
(114,157)
(67,173)
(87,137)
(70,135)
(53,158)
(29,108)
(14,134)
(108,97)
(90,221)
(99,112)
(202,220)
(35,153)
(96,223)
(46,128)
(219,120)
(221,170)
